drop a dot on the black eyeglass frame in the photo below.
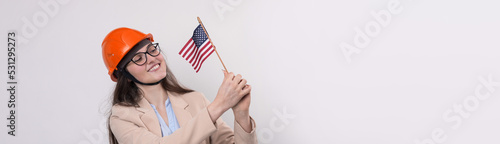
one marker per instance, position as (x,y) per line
(156,46)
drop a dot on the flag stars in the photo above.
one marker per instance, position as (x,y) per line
(199,36)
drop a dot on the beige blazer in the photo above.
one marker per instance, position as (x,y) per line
(139,125)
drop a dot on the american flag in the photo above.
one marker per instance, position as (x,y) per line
(197,49)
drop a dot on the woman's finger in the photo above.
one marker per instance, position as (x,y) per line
(246,90)
(237,78)
(242,83)
(229,76)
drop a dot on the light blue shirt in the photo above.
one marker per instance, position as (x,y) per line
(172,120)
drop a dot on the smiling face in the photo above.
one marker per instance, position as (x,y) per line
(147,68)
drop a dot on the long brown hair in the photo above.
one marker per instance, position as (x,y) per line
(128,94)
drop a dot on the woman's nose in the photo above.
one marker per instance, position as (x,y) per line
(150,59)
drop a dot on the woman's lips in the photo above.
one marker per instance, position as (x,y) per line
(154,68)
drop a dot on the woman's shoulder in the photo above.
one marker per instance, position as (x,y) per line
(194,98)
(122,111)
(192,94)
(119,107)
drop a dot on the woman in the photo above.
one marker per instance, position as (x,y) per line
(150,106)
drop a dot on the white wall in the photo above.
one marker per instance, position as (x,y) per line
(416,75)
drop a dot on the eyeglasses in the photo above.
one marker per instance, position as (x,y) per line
(140,58)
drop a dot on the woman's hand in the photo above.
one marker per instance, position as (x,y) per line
(244,104)
(241,112)
(232,89)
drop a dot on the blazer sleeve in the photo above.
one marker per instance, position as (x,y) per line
(129,129)
(225,135)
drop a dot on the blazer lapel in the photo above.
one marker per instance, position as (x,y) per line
(149,117)
(180,108)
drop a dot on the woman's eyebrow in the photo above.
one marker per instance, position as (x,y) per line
(147,47)
(150,45)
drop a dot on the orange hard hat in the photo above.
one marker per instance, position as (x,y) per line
(117,44)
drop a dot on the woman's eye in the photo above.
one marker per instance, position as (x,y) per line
(152,50)
(137,58)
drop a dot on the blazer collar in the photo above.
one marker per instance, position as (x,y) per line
(150,119)
(148,116)
(181,108)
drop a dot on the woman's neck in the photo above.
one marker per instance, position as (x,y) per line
(155,94)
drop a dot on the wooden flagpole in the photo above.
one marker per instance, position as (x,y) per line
(199,20)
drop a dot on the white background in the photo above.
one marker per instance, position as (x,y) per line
(425,62)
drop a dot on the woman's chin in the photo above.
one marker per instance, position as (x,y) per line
(158,78)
